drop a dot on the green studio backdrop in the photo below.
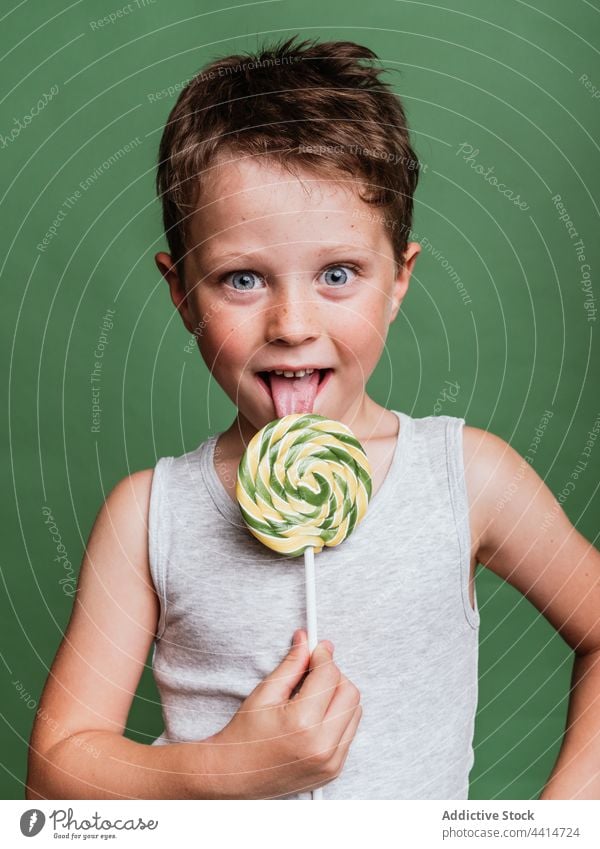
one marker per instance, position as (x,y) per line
(498,325)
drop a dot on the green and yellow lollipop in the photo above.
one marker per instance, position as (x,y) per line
(304,482)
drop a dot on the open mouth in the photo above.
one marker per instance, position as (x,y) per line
(265,377)
(296,393)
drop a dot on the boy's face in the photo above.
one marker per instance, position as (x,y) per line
(288,274)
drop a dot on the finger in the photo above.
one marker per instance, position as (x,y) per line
(279,684)
(318,688)
(302,680)
(337,747)
(345,697)
(342,746)
(340,711)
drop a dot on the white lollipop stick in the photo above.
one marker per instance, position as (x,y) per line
(311,616)
(311,598)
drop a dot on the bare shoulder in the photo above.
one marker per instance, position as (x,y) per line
(132,491)
(118,542)
(493,470)
(485,456)
(121,526)
(128,505)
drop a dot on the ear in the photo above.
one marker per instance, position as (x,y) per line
(179,296)
(402,280)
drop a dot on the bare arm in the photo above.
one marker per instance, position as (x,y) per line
(528,540)
(77,748)
(576,773)
(106,765)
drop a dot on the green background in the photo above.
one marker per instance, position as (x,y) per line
(501,77)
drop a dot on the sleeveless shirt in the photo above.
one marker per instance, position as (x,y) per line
(393,598)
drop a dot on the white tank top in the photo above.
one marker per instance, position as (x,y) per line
(393,598)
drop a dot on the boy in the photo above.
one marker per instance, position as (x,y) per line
(287,181)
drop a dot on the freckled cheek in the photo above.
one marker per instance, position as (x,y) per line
(368,353)
(227,340)
(362,335)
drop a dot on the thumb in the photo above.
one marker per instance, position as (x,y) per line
(279,684)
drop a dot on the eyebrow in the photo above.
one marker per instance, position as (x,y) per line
(254,255)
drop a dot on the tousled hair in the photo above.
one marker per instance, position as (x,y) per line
(308,106)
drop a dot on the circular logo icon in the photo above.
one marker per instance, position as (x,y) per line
(32,822)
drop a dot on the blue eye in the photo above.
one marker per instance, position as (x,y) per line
(245,278)
(338,276)
(244,281)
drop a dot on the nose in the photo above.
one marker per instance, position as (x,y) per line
(292,318)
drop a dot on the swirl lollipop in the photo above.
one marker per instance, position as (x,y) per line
(303,482)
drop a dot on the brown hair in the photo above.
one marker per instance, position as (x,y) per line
(307,106)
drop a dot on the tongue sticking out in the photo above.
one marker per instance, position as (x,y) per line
(294,394)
